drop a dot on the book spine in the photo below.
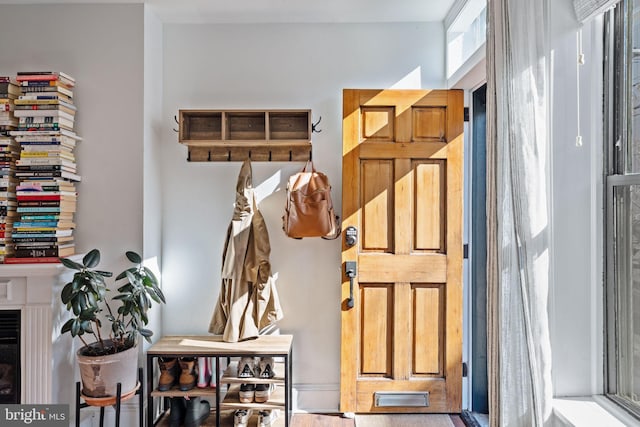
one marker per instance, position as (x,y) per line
(37,77)
(39,126)
(34,224)
(36,253)
(44,203)
(31,239)
(20,209)
(54,198)
(36,101)
(50,119)
(37,167)
(37,97)
(31,260)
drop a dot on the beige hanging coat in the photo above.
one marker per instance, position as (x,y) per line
(248,300)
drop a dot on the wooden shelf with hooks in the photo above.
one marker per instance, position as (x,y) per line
(235,135)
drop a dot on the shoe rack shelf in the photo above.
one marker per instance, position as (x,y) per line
(276,346)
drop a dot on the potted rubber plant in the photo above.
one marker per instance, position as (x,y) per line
(108,358)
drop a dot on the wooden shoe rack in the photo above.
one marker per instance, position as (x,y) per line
(225,393)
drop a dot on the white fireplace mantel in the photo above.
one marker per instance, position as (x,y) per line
(47,372)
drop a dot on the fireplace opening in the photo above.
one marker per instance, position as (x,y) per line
(9,356)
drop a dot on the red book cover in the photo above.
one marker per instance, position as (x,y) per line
(43,197)
(31,260)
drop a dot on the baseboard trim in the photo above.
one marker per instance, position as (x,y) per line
(316,398)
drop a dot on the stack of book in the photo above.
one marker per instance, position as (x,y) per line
(46,102)
(9,92)
(46,169)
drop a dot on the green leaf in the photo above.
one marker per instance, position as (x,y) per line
(78,281)
(143,302)
(157,291)
(88,314)
(91,259)
(67,326)
(150,275)
(91,297)
(133,278)
(122,275)
(77,309)
(76,328)
(86,326)
(104,273)
(145,332)
(133,257)
(128,288)
(67,293)
(70,264)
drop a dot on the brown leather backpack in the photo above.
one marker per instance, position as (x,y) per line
(309,209)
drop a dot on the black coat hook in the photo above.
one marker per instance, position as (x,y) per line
(177,122)
(314,126)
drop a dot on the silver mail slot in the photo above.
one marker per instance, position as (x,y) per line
(401,398)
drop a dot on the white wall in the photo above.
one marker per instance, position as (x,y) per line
(102,47)
(263,67)
(576,294)
(152,172)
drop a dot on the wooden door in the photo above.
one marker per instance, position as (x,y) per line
(402,190)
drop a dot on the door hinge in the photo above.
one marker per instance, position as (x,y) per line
(466,114)
(465,251)
(465,370)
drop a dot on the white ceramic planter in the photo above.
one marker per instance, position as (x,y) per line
(101,374)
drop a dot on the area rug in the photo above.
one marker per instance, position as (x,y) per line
(403,420)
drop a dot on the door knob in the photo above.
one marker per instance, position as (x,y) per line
(351,235)
(350,268)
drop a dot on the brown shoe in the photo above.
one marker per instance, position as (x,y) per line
(189,375)
(168,373)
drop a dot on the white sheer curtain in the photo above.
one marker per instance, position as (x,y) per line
(519,348)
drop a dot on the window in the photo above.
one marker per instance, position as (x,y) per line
(465,34)
(622,98)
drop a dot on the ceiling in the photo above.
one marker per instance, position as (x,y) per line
(283,11)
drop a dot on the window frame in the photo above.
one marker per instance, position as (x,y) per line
(617,138)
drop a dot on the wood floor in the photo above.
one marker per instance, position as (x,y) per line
(320,420)
(335,420)
(305,420)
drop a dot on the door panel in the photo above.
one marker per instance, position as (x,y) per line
(377,213)
(430,207)
(377,321)
(402,189)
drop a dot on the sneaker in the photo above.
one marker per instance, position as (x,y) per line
(241,417)
(263,392)
(267,418)
(265,368)
(246,367)
(247,393)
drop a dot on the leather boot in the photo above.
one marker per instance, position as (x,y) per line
(197,411)
(178,411)
(168,373)
(188,376)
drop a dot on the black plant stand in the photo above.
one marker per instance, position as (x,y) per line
(118,401)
